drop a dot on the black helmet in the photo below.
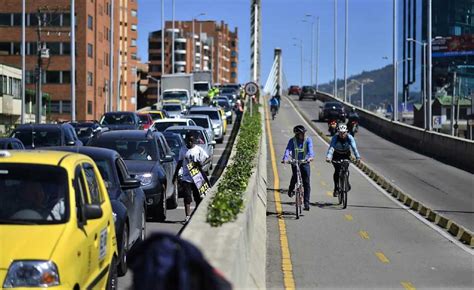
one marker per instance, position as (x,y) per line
(299,129)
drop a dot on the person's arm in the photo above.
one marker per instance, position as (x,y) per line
(354,146)
(310,154)
(288,150)
(331,148)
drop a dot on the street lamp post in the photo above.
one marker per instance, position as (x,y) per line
(395,107)
(361,93)
(429,64)
(335,48)
(395,63)
(301,47)
(23,60)
(312,45)
(162,37)
(346,46)
(194,44)
(317,57)
(172,40)
(423,44)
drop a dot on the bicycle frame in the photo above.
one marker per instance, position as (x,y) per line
(299,189)
(343,180)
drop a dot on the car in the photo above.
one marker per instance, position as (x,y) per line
(216,119)
(202,140)
(149,159)
(126,197)
(85,130)
(224,118)
(57,225)
(332,110)
(175,142)
(176,95)
(11,144)
(226,105)
(308,92)
(146,120)
(205,122)
(174,108)
(46,135)
(121,121)
(161,125)
(156,114)
(230,93)
(294,90)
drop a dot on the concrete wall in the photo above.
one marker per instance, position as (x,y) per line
(237,249)
(454,151)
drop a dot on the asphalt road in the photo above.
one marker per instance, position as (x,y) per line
(175,218)
(374,243)
(444,188)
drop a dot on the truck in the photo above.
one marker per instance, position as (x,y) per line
(178,87)
(202,82)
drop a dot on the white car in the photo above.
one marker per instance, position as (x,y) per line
(163,124)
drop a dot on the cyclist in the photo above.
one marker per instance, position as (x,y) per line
(300,148)
(353,121)
(274,104)
(340,148)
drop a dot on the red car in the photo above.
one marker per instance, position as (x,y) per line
(146,121)
(294,90)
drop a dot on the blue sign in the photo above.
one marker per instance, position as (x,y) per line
(452,53)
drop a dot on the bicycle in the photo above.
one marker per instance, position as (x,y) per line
(343,181)
(299,189)
(274,110)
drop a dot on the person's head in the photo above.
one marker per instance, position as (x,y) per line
(299,131)
(342,130)
(189,140)
(353,109)
(33,193)
(141,150)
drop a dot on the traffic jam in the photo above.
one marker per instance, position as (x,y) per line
(84,191)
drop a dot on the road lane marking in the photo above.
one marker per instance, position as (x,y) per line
(364,235)
(286,265)
(382,257)
(318,173)
(348,217)
(389,196)
(323,183)
(408,285)
(329,193)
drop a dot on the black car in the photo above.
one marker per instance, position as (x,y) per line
(307,92)
(150,160)
(332,110)
(126,197)
(46,135)
(11,144)
(86,130)
(121,121)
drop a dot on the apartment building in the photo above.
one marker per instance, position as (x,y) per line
(93,47)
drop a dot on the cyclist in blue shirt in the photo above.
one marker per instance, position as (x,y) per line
(300,148)
(339,149)
(274,104)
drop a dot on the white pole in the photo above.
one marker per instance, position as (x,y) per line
(301,63)
(335,49)
(346,46)
(194,51)
(452,104)
(312,52)
(136,87)
(255,44)
(162,37)
(172,42)
(73,61)
(362,96)
(424,88)
(317,58)
(111,55)
(395,64)
(428,84)
(23,61)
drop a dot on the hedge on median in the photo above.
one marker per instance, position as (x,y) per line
(228,201)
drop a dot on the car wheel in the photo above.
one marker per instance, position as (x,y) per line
(112,281)
(161,208)
(122,266)
(172,202)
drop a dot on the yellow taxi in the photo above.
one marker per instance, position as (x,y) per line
(224,119)
(156,114)
(56,223)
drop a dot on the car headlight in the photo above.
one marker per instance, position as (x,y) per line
(145,178)
(32,274)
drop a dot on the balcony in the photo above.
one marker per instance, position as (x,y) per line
(170,30)
(206,47)
(181,40)
(10,105)
(180,51)
(206,57)
(198,54)
(180,62)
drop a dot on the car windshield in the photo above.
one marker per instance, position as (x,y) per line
(156,116)
(162,126)
(228,91)
(172,108)
(174,145)
(143,118)
(199,135)
(201,87)
(182,96)
(117,119)
(39,138)
(224,104)
(33,194)
(83,132)
(201,122)
(330,105)
(213,115)
(130,149)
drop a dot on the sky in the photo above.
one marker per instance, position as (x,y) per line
(370,32)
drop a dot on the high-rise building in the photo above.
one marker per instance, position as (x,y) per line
(93,48)
(215,49)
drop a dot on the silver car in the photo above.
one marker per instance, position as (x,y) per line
(216,120)
(205,122)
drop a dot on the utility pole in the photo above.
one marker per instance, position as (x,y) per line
(335,49)
(395,64)
(317,58)
(73,61)
(23,61)
(162,37)
(452,103)
(430,66)
(172,41)
(346,46)
(111,55)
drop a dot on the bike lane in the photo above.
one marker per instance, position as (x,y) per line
(374,243)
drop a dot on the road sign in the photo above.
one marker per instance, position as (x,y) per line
(251,89)
(470,122)
(437,122)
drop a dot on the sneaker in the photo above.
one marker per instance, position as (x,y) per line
(291,193)
(306,208)
(335,193)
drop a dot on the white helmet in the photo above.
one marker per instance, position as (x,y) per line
(342,128)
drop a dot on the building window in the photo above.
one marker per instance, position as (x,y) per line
(89,107)
(66,107)
(90,22)
(53,77)
(67,19)
(66,77)
(66,50)
(54,48)
(233,75)
(90,80)
(233,53)
(134,56)
(5,48)
(33,19)
(134,13)
(17,19)
(134,42)
(16,48)
(54,107)
(90,49)
(234,64)
(32,48)
(5,19)
(134,27)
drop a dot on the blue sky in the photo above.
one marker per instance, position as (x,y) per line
(370,32)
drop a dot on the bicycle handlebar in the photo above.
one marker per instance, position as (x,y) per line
(340,161)
(294,161)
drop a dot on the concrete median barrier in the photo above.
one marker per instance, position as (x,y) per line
(237,249)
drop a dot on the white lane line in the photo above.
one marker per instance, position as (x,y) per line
(379,188)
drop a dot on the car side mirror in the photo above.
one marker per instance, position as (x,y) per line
(131,183)
(213,143)
(93,211)
(71,143)
(167,159)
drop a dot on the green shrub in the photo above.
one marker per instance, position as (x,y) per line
(228,201)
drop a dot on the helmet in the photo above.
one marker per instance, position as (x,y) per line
(353,109)
(342,128)
(299,129)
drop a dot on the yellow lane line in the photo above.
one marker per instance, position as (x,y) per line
(318,173)
(329,193)
(365,235)
(408,285)
(323,183)
(348,217)
(382,257)
(286,265)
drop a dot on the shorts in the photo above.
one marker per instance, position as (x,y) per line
(190,191)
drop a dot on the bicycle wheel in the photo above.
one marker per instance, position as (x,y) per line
(341,188)
(297,203)
(346,187)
